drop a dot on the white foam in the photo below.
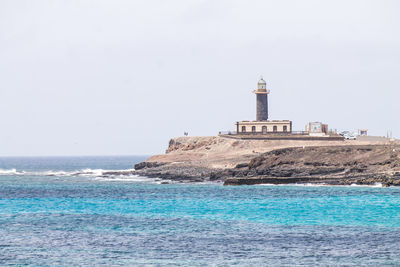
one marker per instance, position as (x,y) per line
(311,184)
(377,185)
(305,184)
(365,185)
(10,172)
(49,173)
(127,178)
(87,172)
(83,172)
(97,175)
(322,185)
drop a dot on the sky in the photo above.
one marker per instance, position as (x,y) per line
(122,77)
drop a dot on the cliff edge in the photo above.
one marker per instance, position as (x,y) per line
(235,162)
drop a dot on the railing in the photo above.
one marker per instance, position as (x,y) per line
(263,133)
(227,132)
(300,132)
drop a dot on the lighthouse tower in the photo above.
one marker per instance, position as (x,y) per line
(262,100)
(263,126)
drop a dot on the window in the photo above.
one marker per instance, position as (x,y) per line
(285,128)
(275,129)
(264,129)
(243,129)
(253,129)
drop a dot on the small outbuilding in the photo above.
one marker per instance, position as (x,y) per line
(362,132)
(317,129)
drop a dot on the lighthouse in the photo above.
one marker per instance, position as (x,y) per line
(263,126)
(262,100)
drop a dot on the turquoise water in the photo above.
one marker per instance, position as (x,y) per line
(64,212)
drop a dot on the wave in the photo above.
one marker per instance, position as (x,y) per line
(362,185)
(125,175)
(10,172)
(296,184)
(323,185)
(84,172)
(128,178)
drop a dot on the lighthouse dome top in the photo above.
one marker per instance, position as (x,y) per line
(262,85)
(261,81)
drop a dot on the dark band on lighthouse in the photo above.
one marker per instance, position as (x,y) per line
(262,101)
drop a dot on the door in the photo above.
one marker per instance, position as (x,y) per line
(264,130)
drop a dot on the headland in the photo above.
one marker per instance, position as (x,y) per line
(269,152)
(238,162)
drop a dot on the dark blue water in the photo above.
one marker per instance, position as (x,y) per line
(64,212)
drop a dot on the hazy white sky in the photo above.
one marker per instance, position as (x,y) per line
(123,77)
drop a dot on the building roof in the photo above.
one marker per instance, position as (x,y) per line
(265,122)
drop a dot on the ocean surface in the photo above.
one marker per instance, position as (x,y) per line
(62,211)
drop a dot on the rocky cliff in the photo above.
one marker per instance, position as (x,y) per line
(235,162)
(368,164)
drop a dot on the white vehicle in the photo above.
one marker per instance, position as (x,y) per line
(350,136)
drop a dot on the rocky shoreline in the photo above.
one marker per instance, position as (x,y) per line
(334,164)
(175,172)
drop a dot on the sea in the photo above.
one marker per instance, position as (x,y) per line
(63,211)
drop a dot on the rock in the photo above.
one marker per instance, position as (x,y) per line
(146,164)
(242,165)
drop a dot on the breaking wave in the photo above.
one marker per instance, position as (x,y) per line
(10,172)
(83,172)
(323,185)
(372,185)
(129,178)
